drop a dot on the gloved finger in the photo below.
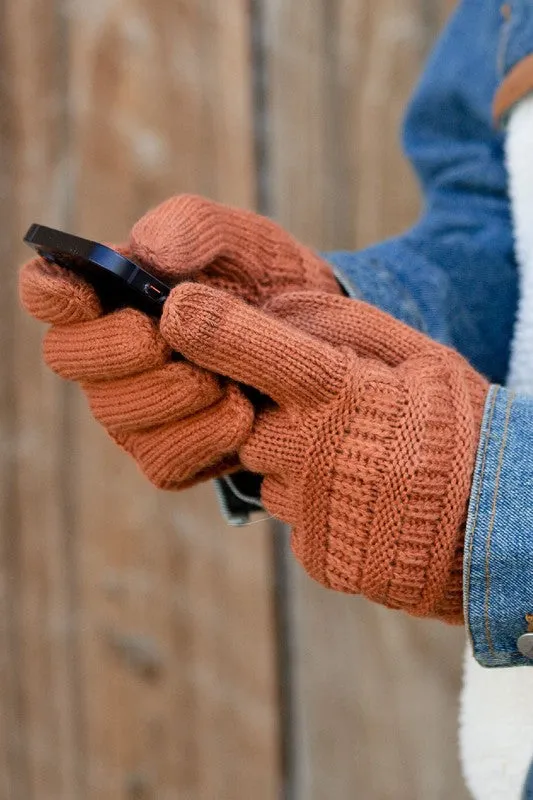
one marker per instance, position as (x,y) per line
(56,295)
(271,446)
(187,232)
(123,343)
(221,333)
(277,499)
(343,321)
(156,397)
(172,455)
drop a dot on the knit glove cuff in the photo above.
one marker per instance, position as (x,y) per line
(384,497)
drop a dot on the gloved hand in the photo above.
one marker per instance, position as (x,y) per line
(181,423)
(369,451)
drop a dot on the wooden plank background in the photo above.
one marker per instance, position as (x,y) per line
(146,649)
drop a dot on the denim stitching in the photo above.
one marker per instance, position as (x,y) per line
(492,520)
(477,503)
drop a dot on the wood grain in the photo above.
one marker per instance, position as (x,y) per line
(138,655)
(178,648)
(375,693)
(38,705)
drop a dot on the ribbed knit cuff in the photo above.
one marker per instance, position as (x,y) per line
(386,497)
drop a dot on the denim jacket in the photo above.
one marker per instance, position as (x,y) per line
(454,276)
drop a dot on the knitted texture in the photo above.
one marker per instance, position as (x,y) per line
(181,423)
(369,451)
(246,254)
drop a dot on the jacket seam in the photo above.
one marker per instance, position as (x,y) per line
(477,503)
(492,520)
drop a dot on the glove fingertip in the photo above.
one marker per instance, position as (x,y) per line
(53,295)
(187,323)
(179,237)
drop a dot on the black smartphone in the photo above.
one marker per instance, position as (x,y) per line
(117,280)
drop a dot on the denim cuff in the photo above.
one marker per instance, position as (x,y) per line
(515,57)
(498,557)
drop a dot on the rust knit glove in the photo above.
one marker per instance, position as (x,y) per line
(248,255)
(181,423)
(369,451)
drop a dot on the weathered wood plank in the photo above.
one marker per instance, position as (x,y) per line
(179,685)
(137,652)
(375,692)
(38,703)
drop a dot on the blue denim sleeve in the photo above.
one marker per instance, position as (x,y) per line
(453,275)
(498,567)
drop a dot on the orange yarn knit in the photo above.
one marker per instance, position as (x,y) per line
(370,450)
(248,255)
(181,423)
